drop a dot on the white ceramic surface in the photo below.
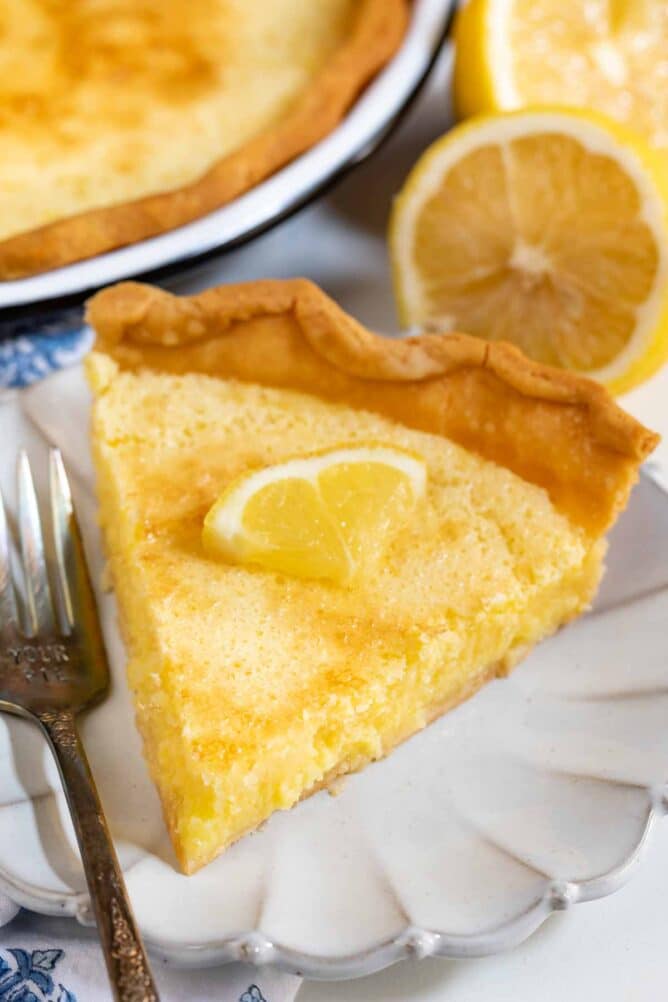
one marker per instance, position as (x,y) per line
(538,793)
(289,188)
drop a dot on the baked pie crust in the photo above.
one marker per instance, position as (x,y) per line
(558,430)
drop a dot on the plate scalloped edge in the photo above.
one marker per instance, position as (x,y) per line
(256,948)
(548,896)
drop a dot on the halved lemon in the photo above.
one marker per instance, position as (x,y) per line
(547,228)
(603,54)
(321,516)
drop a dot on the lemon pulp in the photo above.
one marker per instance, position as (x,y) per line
(323,516)
(545,228)
(602,54)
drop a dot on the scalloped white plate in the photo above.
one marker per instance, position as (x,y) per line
(538,793)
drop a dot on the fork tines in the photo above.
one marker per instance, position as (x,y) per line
(9,620)
(39,608)
(41,601)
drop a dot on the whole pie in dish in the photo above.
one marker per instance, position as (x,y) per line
(122,119)
(253,687)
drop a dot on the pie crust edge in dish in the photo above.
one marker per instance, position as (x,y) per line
(551,427)
(377,33)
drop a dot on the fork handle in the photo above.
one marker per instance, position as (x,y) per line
(124,954)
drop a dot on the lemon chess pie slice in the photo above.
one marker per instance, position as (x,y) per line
(122,119)
(253,685)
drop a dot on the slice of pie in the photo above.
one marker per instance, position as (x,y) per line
(122,119)
(255,687)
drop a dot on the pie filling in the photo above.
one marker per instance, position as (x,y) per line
(252,688)
(199,79)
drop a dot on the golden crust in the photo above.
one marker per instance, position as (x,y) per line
(377,33)
(553,428)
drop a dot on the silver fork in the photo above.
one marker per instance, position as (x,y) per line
(52,669)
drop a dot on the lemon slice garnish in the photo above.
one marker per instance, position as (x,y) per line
(321,516)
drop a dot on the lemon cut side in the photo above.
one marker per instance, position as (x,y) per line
(604,54)
(547,228)
(323,516)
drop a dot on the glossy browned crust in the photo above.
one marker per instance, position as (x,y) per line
(376,34)
(551,427)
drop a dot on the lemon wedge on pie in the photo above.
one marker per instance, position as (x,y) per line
(322,516)
(546,228)
(603,54)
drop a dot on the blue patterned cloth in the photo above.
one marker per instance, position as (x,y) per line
(42,961)
(30,350)
(28,977)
